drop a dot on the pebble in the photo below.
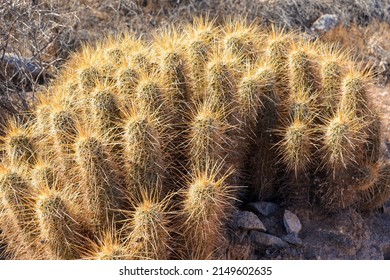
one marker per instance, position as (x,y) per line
(293,239)
(268,240)
(325,23)
(248,221)
(262,207)
(291,222)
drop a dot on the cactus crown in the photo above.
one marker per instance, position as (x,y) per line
(136,137)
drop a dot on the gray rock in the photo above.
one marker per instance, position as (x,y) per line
(291,222)
(262,207)
(293,239)
(248,221)
(14,64)
(325,23)
(267,240)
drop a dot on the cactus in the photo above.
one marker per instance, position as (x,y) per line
(19,218)
(149,226)
(137,137)
(58,224)
(97,178)
(206,204)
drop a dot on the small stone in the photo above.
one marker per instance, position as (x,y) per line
(293,239)
(248,221)
(325,23)
(291,222)
(268,240)
(262,207)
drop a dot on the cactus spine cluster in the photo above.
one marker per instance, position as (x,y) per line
(138,149)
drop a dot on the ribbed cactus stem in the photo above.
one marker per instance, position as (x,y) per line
(331,85)
(19,145)
(97,182)
(58,227)
(43,174)
(104,110)
(149,93)
(173,69)
(207,137)
(262,156)
(254,97)
(302,70)
(241,40)
(207,203)
(63,129)
(354,94)
(297,146)
(140,57)
(149,224)
(253,87)
(302,105)
(116,56)
(277,54)
(343,138)
(126,82)
(143,149)
(200,37)
(221,82)
(18,199)
(89,77)
(42,113)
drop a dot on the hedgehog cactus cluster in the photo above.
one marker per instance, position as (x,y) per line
(142,149)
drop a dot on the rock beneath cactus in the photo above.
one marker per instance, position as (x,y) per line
(325,23)
(291,222)
(267,240)
(347,234)
(262,207)
(293,239)
(248,221)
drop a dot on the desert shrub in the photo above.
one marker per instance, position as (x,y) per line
(36,37)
